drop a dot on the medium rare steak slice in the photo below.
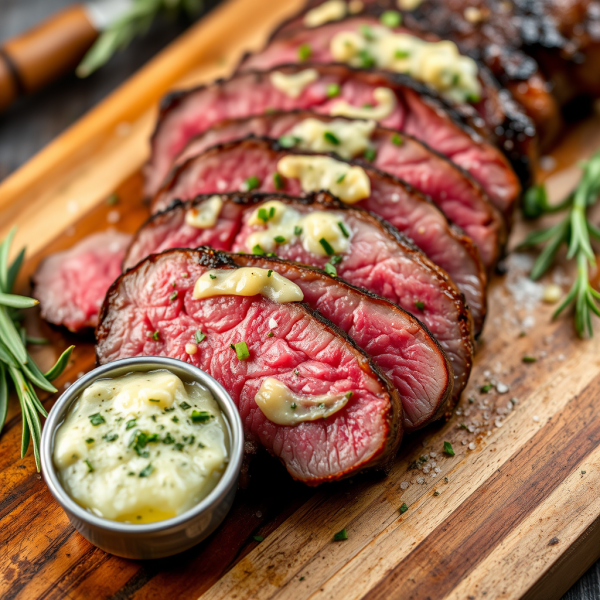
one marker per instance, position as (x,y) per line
(375,256)
(231,166)
(363,41)
(306,353)
(450,188)
(393,100)
(401,346)
(70,285)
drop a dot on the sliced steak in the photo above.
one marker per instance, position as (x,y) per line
(396,341)
(504,122)
(378,259)
(406,106)
(450,188)
(306,353)
(228,167)
(71,285)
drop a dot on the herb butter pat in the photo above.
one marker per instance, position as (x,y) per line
(147,459)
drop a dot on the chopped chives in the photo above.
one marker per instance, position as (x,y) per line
(331,138)
(333,90)
(278,181)
(391,18)
(89,466)
(420,304)
(279,239)
(173,296)
(251,183)
(146,471)
(241,349)
(258,250)
(288,141)
(397,140)
(327,246)
(330,270)
(97,419)
(345,231)
(201,416)
(370,154)
(304,52)
(297,230)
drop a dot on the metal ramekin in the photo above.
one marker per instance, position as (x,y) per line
(163,538)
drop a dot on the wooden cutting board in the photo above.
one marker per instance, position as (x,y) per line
(513,514)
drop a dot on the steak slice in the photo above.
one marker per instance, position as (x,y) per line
(396,341)
(379,259)
(415,110)
(71,285)
(504,122)
(451,189)
(227,167)
(307,353)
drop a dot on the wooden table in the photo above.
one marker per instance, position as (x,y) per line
(47,558)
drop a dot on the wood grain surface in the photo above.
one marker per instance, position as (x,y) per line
(513,514)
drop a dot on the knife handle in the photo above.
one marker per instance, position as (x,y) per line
(37,57)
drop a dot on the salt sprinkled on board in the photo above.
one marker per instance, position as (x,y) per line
(404,485)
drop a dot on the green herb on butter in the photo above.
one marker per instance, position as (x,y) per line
(97,419)
(130,424)
(201,416)
(327,247)
(89,466)
(146,471)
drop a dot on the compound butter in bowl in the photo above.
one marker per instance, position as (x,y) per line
(144,456)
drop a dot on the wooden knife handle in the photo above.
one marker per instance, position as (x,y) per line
(37,57)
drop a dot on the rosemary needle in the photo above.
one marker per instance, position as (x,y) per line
(16,365)
(576,232)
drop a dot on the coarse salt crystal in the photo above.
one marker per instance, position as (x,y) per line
(433,454)
(498,422)
(472,446)
(404,485)
(437,470)
(426,470)
(536,418)
(434,474)
(464,442)
(420,480)
(272,323)
(501,388)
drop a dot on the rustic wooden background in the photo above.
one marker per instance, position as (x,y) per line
(34,121)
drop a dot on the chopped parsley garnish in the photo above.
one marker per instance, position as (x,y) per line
(130,424)
(278,181)
(199,336)
(485,388)
(304,52)
(340,536)
(366,59)
(189,439)
(169,409)
(336,260)
(403,508)
(397,140)
(264,215)
(391,18)
(173,296)
(327,247)
(288,141)
(97,419)
(251,183)
(201,416)
(270,334)
(331,138)
(370,154)
(448,449)
(169,439)
(89,466)
(241,349)
(529,359)
(138,441)
(330,270)
(436,493)
(146,471)
(297,230)
(401,53)
(178,446)
(258,250)
(152,438)
(155,336)
(175,419)
(293,406)
(333,90)
(344,230)
(341,178)
(110,437)
(367,105)
(90,441)
(279,239)
(420,304)
(184,405)
(153,400)
(269,272)
(367,32)
(258,538)
(212,276)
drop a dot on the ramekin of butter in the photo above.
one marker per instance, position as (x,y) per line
(144,456)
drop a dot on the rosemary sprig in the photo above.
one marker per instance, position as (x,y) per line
(136,21)
(16,364)
(576,231)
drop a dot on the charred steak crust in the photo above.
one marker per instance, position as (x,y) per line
(506,123)
(157,167)
(491,241)
(453,235)
(463,316)
(210,259)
